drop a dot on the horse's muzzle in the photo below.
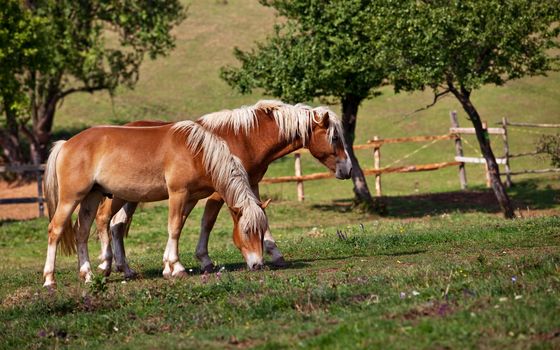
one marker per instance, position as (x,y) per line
(343,169)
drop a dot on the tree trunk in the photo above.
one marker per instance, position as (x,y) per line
(43,111)
(350,104)
(484,141)
(9,138)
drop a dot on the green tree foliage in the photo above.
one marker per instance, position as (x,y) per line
(458,46)
(550,144)
(86,46)
(322,49)
(21,45)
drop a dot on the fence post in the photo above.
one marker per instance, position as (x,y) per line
(459,151)
(488,180)
(300,194)
(377,165)
(506,151)
(39,174)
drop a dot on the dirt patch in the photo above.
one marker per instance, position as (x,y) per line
(549,336)
(19,297)
(434,308)
(18,211)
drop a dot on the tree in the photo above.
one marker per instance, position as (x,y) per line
(322,50)
(455,47)
(26,49)
(87,46)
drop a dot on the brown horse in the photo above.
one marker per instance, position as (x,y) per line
(182,162)
(258,135)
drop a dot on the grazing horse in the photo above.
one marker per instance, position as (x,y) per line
(258,135)
(183,162)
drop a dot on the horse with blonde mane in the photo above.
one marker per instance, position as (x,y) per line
(182,162)
(258,135)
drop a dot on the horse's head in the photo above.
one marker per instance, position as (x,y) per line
(326,142)
(249,227)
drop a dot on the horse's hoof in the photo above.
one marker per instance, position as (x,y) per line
(180,274)
(105,271)
(50,286)
(280,262)
(130,275)
(208,268)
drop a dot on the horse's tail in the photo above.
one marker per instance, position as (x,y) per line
(68,238)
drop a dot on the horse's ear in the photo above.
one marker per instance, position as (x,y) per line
(266,203)
(321,117)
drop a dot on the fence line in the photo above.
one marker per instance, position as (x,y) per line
(376,143)
(455,132)
(38,169)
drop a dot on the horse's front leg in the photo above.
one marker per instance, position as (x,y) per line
(106,210)
(179,209)
(88,210)
(213,205)
(269,242)
(120,225)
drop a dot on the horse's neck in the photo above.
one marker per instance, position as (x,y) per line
(267,145)
(262,145)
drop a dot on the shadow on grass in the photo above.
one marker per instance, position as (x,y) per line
(524,194)
(241,266)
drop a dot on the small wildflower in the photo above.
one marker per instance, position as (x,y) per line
(218,275)
(403,295)
(517,297)
(190,270)
(415,293)
(514,279)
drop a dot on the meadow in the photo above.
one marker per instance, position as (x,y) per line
(447,280)
(441,269)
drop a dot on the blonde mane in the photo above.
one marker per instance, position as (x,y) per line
(228,174)
(294,121)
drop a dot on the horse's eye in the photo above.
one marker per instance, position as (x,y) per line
(335,138)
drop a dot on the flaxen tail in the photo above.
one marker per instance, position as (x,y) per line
(68,238)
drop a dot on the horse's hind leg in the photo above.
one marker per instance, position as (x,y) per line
(59,223)
(88,209)
(179,209)
(211,211)
(120,225)
(106,210)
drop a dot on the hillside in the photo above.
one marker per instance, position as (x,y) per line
(186,84)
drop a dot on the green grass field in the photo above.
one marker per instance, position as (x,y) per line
(447,280)
(441,270)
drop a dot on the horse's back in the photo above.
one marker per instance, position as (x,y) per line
(125,161)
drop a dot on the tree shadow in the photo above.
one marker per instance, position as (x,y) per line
(529,193)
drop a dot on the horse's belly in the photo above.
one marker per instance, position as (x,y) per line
(142,194)
(135,191)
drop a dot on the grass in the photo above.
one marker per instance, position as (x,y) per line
(442,270)
(453,278)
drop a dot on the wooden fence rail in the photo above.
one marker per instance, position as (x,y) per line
(376,143)
(38,169)
(455,132)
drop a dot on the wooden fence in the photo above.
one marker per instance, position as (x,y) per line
(376,143)
(38,169)
(455,132)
